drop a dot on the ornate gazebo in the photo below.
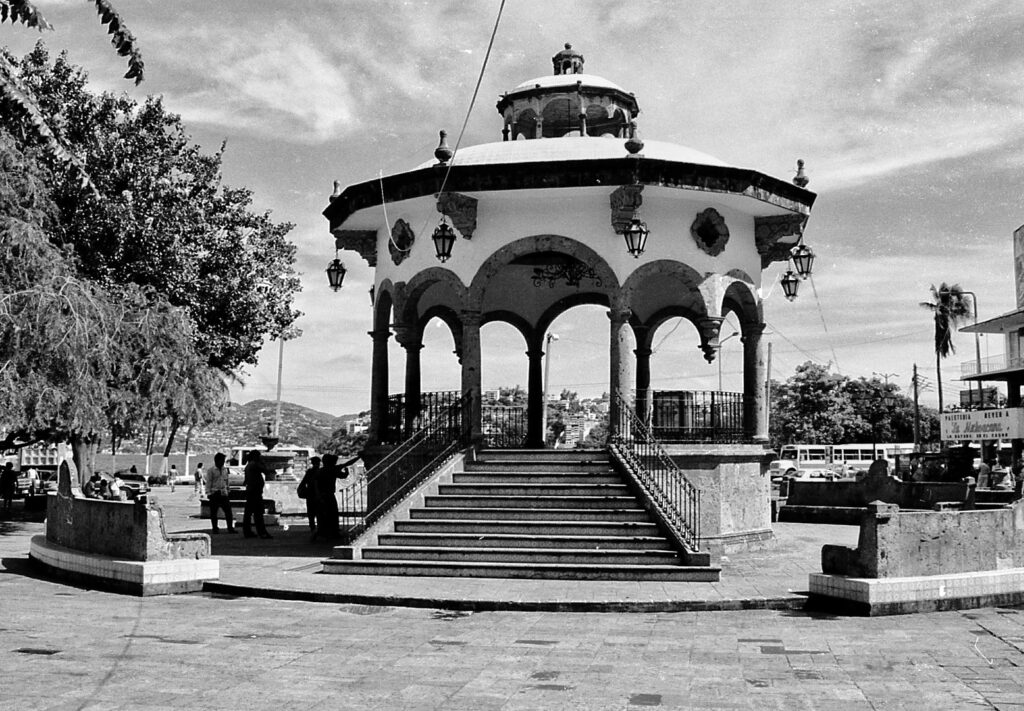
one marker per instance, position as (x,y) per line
(570,207)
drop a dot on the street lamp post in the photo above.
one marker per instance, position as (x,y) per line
(544,390)
(977,341)
(720,344)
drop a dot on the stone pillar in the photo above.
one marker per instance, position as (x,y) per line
(622,377)
(379,384)
(535,396)
(407,338)
(471,372)
(643,373)
(755,382)
(1013,400)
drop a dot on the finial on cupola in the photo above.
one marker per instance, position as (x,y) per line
(337,191)
(800,179)
(443,153)
(634,144)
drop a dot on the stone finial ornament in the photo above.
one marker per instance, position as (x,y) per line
(337,191)
(443,153)
(800,179)
(634,144)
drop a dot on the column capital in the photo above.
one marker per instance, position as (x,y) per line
(379,335)
(620,315)
(408,338)
(752,331)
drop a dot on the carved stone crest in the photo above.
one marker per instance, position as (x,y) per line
(461,210)
(362,241)
(402,239)
(625,201)
(710,232)
(770,235)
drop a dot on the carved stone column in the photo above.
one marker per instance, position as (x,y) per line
(408,339)
(643,373)
(471,371)
(755,382)
(379,384)
(535,396)
(622,377)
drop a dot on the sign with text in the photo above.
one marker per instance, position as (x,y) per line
(1007,423)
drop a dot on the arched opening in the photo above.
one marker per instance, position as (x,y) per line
(504,385)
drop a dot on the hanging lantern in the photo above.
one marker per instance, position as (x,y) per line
(790,284)
(335,272)
(636,233)
(444,238)
(803,259)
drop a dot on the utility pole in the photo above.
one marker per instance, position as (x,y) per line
(917,416)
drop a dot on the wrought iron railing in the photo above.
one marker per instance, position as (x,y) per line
(698,416)
(991,364)
(400,424)
(504,427)
(667,488)
(384,485)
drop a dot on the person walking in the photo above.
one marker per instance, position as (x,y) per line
(255,476)
(197,486)
(307,490)
(217,486)
(8,484)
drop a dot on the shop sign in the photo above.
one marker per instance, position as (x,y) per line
(973,426)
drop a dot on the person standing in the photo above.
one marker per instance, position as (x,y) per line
(307,491)
(255,476)
(326,480)
(8,483)
(217,486)
(197,475)
(171,476)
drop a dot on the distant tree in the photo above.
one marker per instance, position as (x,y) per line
(811,407)
(597,437)
(950,307)
(342,443)
(513,395)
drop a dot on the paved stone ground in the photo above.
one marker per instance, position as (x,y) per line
(65,648)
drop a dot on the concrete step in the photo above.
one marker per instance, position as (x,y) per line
(540,465)
(537,490)
(631,513)
(532,502)
(625,529)
(522,540)
(510,477)
(549,571)
(521,555)
(532,455)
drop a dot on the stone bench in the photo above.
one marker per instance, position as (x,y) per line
(119,545)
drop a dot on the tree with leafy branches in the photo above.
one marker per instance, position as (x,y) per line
(950,307)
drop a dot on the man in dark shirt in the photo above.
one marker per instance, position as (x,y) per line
(255,475)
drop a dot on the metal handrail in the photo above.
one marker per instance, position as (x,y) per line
(667,488)
(385,484)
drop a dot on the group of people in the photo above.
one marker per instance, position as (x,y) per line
(318,487)
(98,487)
(218,494)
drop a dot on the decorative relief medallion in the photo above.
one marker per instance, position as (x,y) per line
(461,210)
(710,232)
(402,239)
(625,201)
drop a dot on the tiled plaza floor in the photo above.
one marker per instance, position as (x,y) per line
(64,647)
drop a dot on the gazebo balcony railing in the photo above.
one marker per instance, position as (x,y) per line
(681,416)
(643,458)
(504,426)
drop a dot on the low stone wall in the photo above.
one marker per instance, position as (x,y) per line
(880,487)
(896,543)
(119,544)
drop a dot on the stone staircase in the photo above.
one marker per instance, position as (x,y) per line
(556,514)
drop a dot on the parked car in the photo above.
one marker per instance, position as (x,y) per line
(29,481)
(135,485)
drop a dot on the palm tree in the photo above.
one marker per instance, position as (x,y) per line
(950,307)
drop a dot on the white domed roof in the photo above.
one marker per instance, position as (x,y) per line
(550,150)
(556,80)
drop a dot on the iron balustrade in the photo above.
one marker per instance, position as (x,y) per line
(400,423)
(384,485)
(667,488)
(991,364)
(504,427)
(698,416)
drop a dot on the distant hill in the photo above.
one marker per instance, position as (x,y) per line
(243,424)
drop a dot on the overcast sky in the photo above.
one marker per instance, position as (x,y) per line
(910,117)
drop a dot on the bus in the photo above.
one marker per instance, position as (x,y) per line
(802,461)
(849,458)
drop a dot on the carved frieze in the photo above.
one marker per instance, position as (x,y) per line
(461,210)
(776,235)
(362,241)
(710,232)
(402,239)
(625,201)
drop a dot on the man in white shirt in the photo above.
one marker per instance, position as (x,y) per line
(217,491)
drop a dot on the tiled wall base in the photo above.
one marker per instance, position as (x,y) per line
(928,593)
(135,577)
